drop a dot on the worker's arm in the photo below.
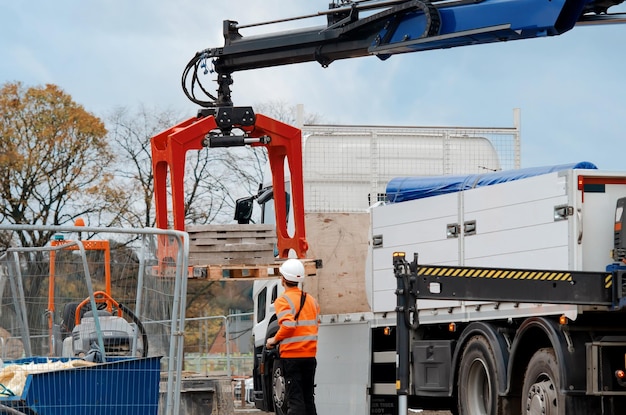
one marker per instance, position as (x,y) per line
(286,322)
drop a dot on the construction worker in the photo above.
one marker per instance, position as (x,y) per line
(298,319)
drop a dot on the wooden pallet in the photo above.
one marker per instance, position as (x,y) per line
(243,271)
(231,244)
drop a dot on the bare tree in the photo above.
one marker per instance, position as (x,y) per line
(286,113)
(130,131)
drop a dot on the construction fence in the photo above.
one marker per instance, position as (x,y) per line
(229,352)
(96,308)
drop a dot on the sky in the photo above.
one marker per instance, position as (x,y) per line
(118,53)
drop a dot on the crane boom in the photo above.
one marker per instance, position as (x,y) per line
(353,29)
(385,28)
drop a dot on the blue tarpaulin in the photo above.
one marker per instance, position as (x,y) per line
(401,189)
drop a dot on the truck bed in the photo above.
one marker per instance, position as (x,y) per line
(547,222)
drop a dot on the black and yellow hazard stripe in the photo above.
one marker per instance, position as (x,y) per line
(515,274)
(522,285)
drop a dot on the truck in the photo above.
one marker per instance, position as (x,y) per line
(513,307)
(488,317)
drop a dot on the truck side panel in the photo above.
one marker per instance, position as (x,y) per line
(515,226)
(415,226)
(342,376)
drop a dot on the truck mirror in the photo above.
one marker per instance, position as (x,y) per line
(243,209)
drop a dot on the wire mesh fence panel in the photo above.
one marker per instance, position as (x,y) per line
(95,306)
(219,345)
(347,168)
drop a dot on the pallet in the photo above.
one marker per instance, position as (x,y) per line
(245,271)
(231,244)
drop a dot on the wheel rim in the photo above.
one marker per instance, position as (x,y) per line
(479,391)
(542,398)
(278,385)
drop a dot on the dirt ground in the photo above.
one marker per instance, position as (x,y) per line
(257,412)
(250,410)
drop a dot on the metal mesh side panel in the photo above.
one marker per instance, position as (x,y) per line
(346,168)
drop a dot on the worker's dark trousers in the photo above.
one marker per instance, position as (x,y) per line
(300,383)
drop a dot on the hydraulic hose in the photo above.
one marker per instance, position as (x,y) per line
(140,326)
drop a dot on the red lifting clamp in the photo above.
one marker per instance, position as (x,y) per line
(169,149)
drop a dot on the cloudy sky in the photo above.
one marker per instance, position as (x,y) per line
(109,53)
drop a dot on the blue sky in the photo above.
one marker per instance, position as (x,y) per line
(109,53)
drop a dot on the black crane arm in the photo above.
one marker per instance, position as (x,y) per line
(384,28)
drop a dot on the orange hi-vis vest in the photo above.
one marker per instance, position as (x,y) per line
(298,338)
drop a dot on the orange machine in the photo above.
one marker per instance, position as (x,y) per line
(73,336)
(214,128)
(90,245)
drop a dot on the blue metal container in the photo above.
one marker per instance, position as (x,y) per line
(121,387)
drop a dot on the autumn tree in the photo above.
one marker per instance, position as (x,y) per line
(54,162)
(54,167)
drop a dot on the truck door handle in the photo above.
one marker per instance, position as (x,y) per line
(377,241)
(579,214)
(469,227)
(452,230)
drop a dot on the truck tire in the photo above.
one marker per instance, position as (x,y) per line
(279,388)
(477,381)
(540,393)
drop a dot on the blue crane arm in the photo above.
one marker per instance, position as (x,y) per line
(386,27)
(480,22)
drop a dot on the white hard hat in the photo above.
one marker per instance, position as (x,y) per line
(292,270)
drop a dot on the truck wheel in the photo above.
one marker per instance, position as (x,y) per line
(477,387)
(279,388)
(540,393)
